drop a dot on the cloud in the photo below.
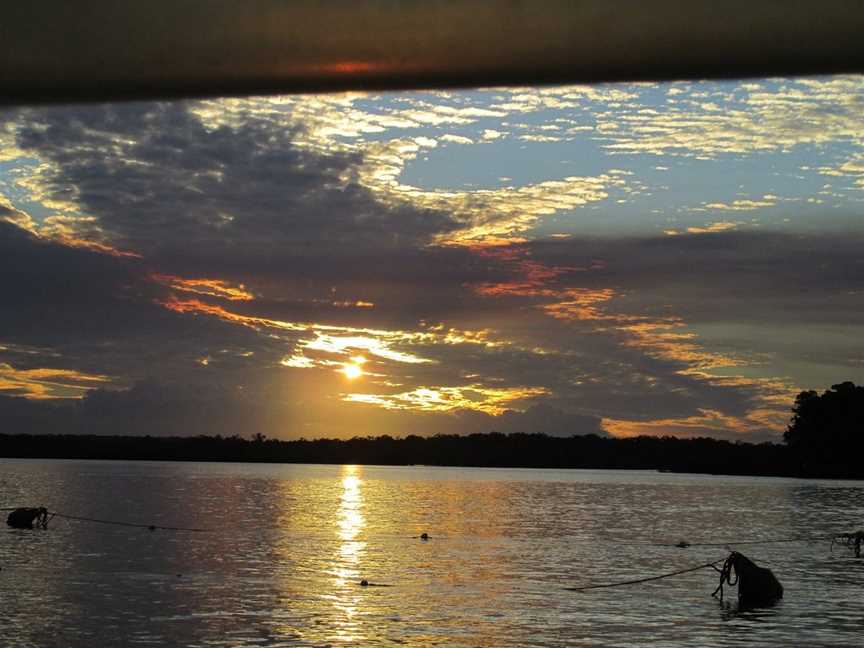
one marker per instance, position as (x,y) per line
(456,139)
(722,276)
(447,399)
(717,322)
(718,226)
(741,205)
(149,407)
(753,119)
(9,214)
(491,134)
(142,171)
(708,423)
(203,286)
(487,215)
(88,313)
(239,253)
(46,382)
(615,332)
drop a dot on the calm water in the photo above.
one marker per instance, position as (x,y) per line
(290,545)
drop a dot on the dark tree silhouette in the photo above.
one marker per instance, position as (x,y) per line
(827,432)
(824,439)
(495,449)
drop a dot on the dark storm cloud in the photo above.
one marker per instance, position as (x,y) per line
(249,203)
(151,407)
(147,408)
(592,373)
(77,310)
(177,409)
(43,283)
(755,298)
(728,277)
(791,299)
(89,311)
(163,183)
(405,286)
(96,312)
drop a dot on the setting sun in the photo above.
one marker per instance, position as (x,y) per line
(352,371)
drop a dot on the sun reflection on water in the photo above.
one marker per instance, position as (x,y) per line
(347,574)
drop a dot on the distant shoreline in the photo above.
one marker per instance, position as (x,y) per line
(493,450)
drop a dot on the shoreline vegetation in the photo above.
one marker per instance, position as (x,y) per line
(518,450)
(824,439)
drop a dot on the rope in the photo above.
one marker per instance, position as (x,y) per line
(684,544)
(151,527)
(645,580)
(726,575)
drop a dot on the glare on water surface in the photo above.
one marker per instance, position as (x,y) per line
(290,544)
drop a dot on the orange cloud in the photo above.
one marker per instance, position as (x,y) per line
(96,246)
(579,304)
(532,277)
(46,382)
(706,423)
(197,306)
(660,339)
(665,338)
(210,287)
(492,401)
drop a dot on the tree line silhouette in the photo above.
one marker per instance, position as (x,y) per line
(826,434)
(824,438)
(484,450)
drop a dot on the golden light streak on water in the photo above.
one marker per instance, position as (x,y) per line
(347,574)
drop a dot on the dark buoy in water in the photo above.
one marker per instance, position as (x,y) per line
(682,544)
(424,536)
(757,586)
(27,518)
(364,583)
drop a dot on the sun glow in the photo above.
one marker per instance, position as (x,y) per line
(352,371)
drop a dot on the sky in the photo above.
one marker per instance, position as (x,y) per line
(665,259)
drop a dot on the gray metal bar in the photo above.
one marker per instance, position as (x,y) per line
(65,50)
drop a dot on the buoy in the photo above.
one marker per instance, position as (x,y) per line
(683,544)
(364,583)
(26,518)
(757,586)
(424,536)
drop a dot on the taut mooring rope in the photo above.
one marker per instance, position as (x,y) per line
(151,527)
(683,544)
(650,578)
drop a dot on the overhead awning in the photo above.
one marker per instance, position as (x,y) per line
(57,50)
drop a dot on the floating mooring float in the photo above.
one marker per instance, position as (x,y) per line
(28,518)
(757,586)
